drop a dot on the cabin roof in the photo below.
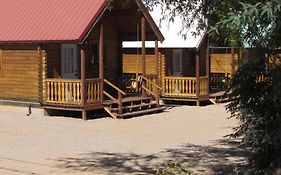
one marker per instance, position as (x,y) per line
(53,20)
(171,31)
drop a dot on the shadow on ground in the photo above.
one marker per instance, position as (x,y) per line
(220,159)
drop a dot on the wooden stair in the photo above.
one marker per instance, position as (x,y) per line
(133,106)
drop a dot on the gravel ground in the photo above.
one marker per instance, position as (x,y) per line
(192,136)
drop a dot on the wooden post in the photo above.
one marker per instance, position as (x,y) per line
(143,36)
(232,61)
(157,73)
(83,85)
(101,65)
(208,67)
(120,103)
(198,78)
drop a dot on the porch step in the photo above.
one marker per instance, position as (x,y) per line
(142,112)
(132,106)
(135,107)
(128,99)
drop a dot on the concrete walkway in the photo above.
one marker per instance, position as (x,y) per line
(193,136)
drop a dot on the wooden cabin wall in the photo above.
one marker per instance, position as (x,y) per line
(188,62)
(15,46)
(53,51)
(188,59)
(202,54)
(20,73)
(112,52)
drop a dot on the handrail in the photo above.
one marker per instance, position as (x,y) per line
(152,83)
(63,80)
(93,80)
(180,78)
(149,91)
(115,87)
(112,98)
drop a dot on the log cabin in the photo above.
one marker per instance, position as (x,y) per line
(223,65)
(67,54)
(184,63)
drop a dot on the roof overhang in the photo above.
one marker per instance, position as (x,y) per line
(150,20)
(77,36)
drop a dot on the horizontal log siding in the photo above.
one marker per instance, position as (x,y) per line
(20,75)
(222,63)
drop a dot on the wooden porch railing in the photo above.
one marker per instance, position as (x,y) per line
(120,95)
(152,88)
(93,90)
(131,79)
(204,86)
(180,87)
(185,87)
(68,92)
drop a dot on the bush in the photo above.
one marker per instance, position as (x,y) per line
(256,104)
(174,169)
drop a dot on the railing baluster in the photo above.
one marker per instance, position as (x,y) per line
(63,91)
(56,91)
(95,91)
(78,93)
(70,92)
(74,93)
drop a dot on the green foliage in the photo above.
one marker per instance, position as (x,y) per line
(256,104)
(175,169)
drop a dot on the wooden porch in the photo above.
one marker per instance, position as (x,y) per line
(186,87)
(85,94)
(174,88)
(68,93)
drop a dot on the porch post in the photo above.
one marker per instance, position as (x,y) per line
(83,85)
(232,61)
(208,66)
(157,72)
(143,36)
(198,78)
(101,65)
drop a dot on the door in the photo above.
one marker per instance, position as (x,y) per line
(177,62)
(69,61)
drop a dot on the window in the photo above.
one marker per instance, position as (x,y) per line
(94,53)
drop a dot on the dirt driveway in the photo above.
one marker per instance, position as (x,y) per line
(193,136)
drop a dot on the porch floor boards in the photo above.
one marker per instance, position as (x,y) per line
(72,107)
